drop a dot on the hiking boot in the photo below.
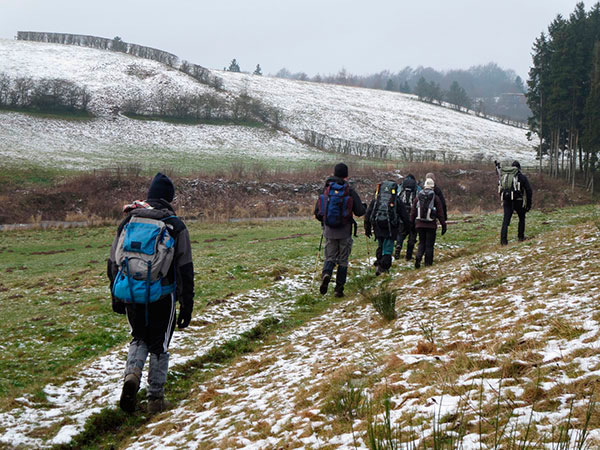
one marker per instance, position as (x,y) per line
(408,256)
(397,253)
(325,283)
(522,238)
(339,291)
(129,393)
(417,263)
(503,242)
(378,270)
(157,405)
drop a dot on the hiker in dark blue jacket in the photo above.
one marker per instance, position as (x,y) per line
(408,192)
(338,236)
(152,324)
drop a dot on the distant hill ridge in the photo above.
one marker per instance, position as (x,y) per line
(199,73)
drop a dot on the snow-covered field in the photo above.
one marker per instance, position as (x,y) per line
(363,115)
(275,397)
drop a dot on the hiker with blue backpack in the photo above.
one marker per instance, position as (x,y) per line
(150,269)
(516,196)
(426,211)
(335,208)
(386,213)
(408,192)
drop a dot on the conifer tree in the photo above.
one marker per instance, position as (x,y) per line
(234,66)
(258,70)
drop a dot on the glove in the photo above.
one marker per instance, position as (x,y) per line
(527,208)
(118,306)
(185,317)
(444,228)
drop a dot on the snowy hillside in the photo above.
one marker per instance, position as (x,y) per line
(113,79)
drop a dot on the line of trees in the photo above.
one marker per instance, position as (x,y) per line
(431,92)
(202,107)
(116,44)
(494,91)
(43,95)
(564,95)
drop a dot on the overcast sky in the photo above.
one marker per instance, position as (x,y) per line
(313,36)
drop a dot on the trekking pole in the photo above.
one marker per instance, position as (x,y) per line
(368,252)
(318,258)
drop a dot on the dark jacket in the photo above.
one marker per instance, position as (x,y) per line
(383,230)
(358,210)
(525,192)
(183,255)
(439,194)
(424,225)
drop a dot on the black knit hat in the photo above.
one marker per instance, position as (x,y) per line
(161,187)
(340,170)
(516,164)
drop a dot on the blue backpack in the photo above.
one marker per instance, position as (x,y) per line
(335,205)
(144,254)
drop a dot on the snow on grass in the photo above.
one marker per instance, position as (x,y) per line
(107,143)
(113,79)
(382,117)
(276,397)
(98,384)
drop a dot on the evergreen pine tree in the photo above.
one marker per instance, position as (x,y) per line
(234,66)
(258,70)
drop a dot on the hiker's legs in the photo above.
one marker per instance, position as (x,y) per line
(136,358)
(402,233)
(345,248)
(387,248)
(518,206)
(508,212)
(429,245)
(157,374)
(378,252)
(332,249)
(410,244)
(421,247)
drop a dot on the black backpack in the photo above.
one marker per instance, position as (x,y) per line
(408,192)
(426,210)
(384,210)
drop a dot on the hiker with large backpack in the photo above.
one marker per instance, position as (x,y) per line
(150,269)
(335,208)
(438,192)
(408,192)
(383,218)
(426,211)
(516,196)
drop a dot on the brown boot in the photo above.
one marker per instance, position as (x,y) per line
(157,405)
(131,386)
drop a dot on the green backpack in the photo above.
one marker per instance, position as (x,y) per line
(384,211)
(509,186)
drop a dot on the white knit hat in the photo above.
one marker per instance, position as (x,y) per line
(429,183)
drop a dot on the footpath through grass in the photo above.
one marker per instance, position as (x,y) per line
(56,307)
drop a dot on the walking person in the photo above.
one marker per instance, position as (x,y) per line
(426,211)
(438,192)
(150,268)
(516,195)
(408,192)
(335,208)
(386,213)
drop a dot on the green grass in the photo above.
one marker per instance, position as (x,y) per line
(56,305)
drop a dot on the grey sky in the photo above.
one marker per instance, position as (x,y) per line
(314,36)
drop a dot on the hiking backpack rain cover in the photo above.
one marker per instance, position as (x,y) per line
(408,194)
(509,186)
(426,210)
(384,211)
(335,205)
(144,254)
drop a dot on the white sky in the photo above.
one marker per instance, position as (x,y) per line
(314,36)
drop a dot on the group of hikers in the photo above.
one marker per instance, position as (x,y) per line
(150,266)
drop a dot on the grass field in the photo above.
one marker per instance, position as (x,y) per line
(57,317)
